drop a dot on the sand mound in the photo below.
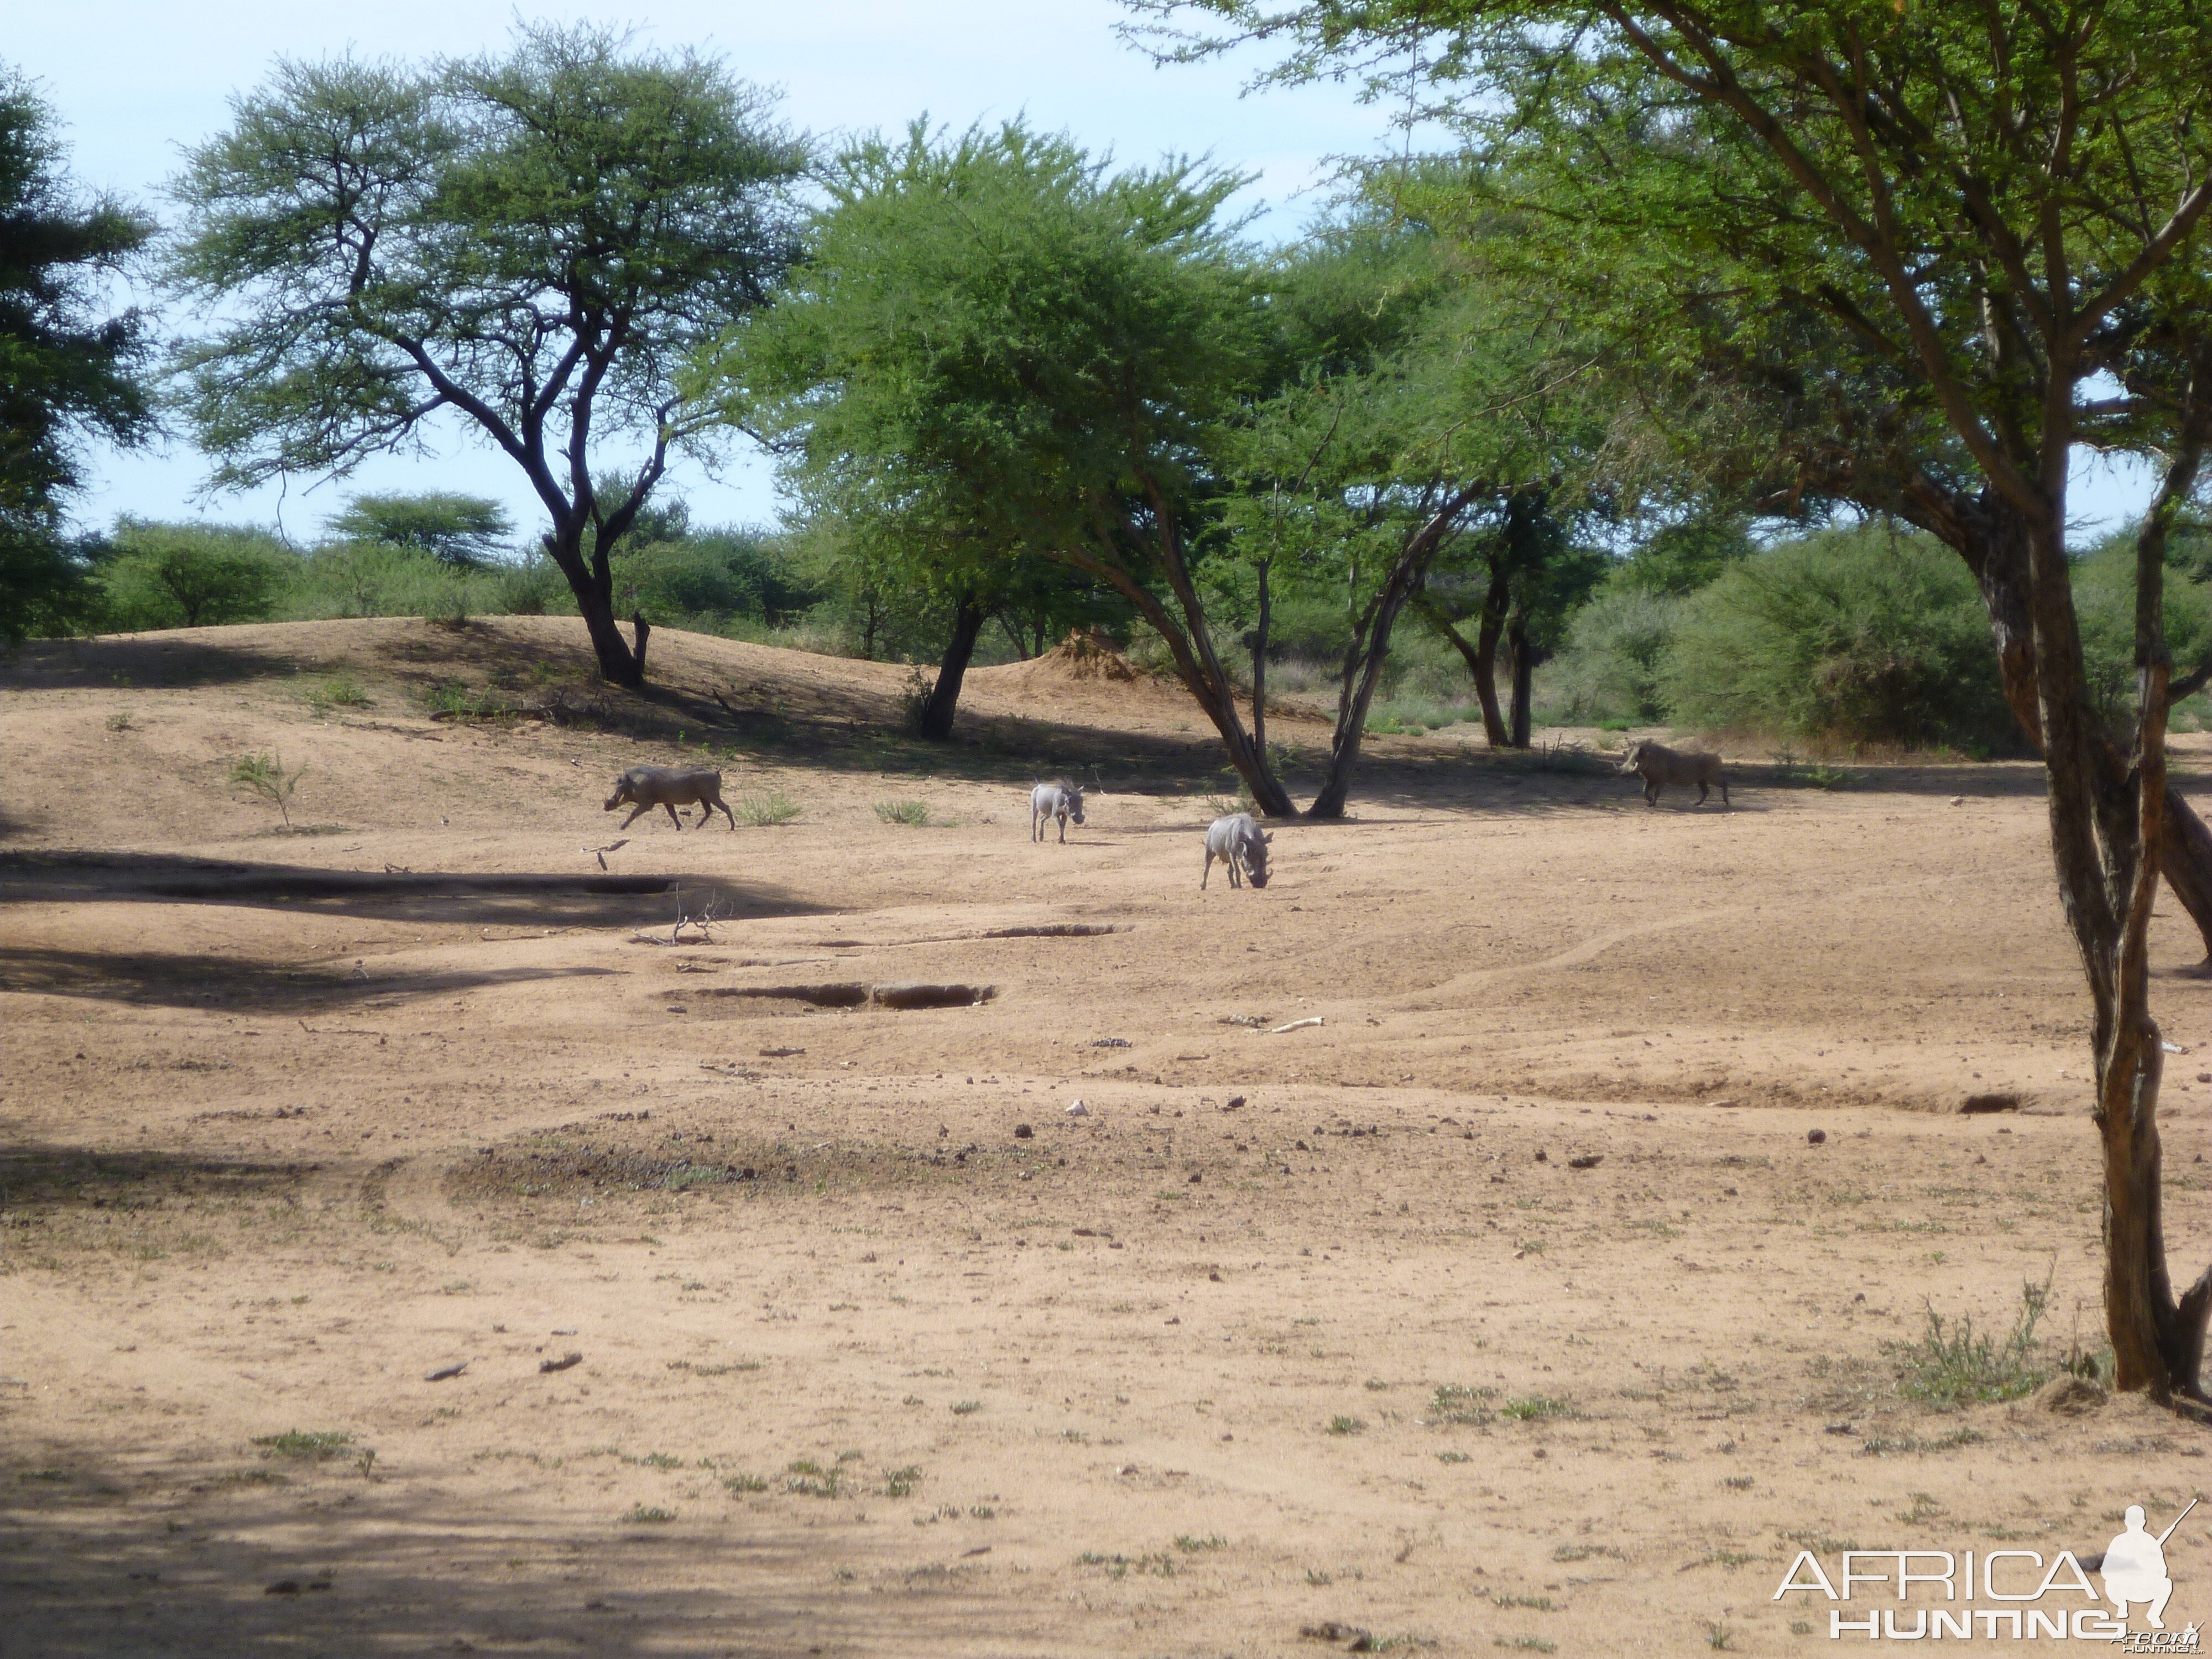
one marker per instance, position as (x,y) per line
(1084,657)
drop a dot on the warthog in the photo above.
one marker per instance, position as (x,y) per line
(1660,765)
(1237,843)
(647,787)
(1048,801)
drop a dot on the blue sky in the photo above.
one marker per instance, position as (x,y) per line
(134,82)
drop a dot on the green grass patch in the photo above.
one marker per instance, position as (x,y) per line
(1527,1408)
(309,1445)
(1453,1404)
(911,814)
(1952,1366)
(765,811)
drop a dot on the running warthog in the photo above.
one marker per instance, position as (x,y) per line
(1660,766)
(1237,843)
(1062,800)
(647,787)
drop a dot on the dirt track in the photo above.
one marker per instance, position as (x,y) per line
(866,1369)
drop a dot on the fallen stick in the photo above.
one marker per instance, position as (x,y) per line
(1295,1024)
(449,1370)
(560,1364)
(338,1031)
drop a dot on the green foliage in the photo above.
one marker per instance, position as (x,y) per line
(189,575)
(68,371)
(1951,1366)
(706,581)
(340,691)
(458,529)
(913,814)
(266,776)
(764,811)
(2105,602)
(1457,1403)
(555,230)
(1528,1408)
(1616,653)
(997,356)
(1862,633)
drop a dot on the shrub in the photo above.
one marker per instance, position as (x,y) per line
(1616,650)
(2104,600)
(763,811)
(184,575)
(1951,1366)
(913,814)
(1862,633)
(266,776)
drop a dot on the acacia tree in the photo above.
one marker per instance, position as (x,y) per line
(2004,202)
(460,530)
(68,371)
(1007,352)
(530,244)
(1762,380)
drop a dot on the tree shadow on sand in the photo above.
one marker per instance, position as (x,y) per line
(242,1555)
(180,981)
(499,898)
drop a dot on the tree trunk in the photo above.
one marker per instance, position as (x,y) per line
(1198,669)
(1521,663)
(594,590)
(1357,691)
(1260,663)
(1994,543)
(937,709)
(1484,665)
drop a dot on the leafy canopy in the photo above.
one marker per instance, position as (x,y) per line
(532,243)
(68,367)
(458,529)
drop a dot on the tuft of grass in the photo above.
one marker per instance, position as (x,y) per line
(764,811)
(744,1482)
(1528,1644)
(1454,1404)
(1528,1408)
(1453,1457)
(311,1445)
(1952,1366)
(897,1483)
(966,1408)
(339,691)
(1719,1637)
(120,721)
(642,1513)
(1159,1564)
(913,814)
(1540,1603)
(1342,1425)
(265,775)
(1191,1546)
(1910,1445)
(810,1479)
(1583,1551)
(698,1370)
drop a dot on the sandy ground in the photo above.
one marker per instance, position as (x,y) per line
(882,1350)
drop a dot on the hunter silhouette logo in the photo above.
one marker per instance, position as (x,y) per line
(2133,1568)
(2032,1598)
